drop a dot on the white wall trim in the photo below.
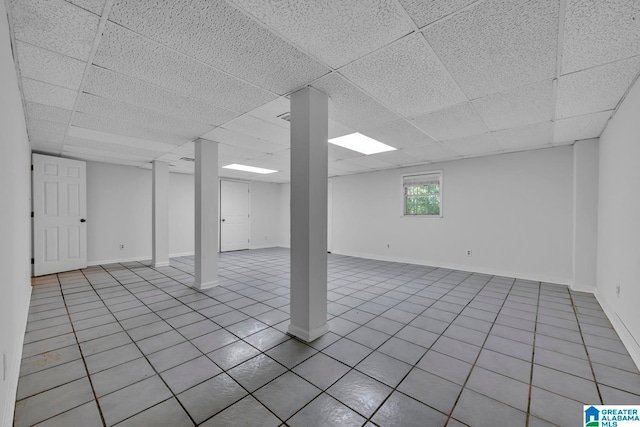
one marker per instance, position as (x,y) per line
(13,374)
(471,268)
(625,336)
(119,260)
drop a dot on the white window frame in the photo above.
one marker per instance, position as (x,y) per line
(440,174)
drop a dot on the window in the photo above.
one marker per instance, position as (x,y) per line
(423,194)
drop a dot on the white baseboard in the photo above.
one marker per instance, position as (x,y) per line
(471,268)
(13,373)
(119,260)
(627,339)
(181,254)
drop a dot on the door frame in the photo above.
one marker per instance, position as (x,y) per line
(220,210)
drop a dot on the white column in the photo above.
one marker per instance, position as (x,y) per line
(309,133)
(160,214)
(206,238)
(585,215)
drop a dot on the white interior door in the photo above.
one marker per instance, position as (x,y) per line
(59,214)
(234,216)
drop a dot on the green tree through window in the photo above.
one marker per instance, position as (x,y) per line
(422,194)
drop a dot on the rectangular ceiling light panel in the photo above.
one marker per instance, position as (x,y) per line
(361,143)
(245,168)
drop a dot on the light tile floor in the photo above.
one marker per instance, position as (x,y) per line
(130,345)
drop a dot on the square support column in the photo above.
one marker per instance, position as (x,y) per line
(206,214)
(160,214)
(309,171)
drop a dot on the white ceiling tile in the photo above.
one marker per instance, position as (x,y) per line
(406,76)
(595,89)
(102,159)
(112,85)
(476,145)
(112,138)
(259,128)
(430,153)
(47,112)
(425,12)
(223,37)
(395,157)
(127,129)
(338,129)
(121,111)
(47,127)
(453,122)
(399,134)
(535,135)
(128,53)
(340,153)
(581,127)
(347,165)
(322,27)
(242,140)
(46,137)
(142,152)
(350,106)
(225,150)
(44,93)
(95,6)
(516,107)
(270,111)
(598,32)
(270,162)
(498,44)
(55,25)
(49,67)
(106,152)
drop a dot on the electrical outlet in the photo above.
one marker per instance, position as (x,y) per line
(388,245)
(469,252)
(618,291)
(122,246)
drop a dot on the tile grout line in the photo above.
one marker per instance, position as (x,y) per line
(533,354)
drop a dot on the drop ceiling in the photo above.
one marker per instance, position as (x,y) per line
(132,81)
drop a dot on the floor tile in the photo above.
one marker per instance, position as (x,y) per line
(285,395)
(256,372)
(187,375)
(324,410)
(557,409)
(347,351)
(444,366)
(492,412)
(431,390)
(45,405)
(30,365)
(166,414)
(48,344)
(499,387)
(402,350)
(159,342)
(110,358)
(113,379)
(174,356)
(417,336)
(384,368)
(562,362)
(229,356)
(321,370)
(214,340)
(198,329)
(210,397)
(402,411)
(49,378)
(135,398)
(267,339)
(509,366)
(291,353)
(570,386)
(247,411)
(617,378)
(86,415)
(360,392)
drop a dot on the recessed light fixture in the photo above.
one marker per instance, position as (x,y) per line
(246,168)
(361,143)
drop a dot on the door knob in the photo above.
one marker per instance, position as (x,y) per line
(223,220)
(83,220)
